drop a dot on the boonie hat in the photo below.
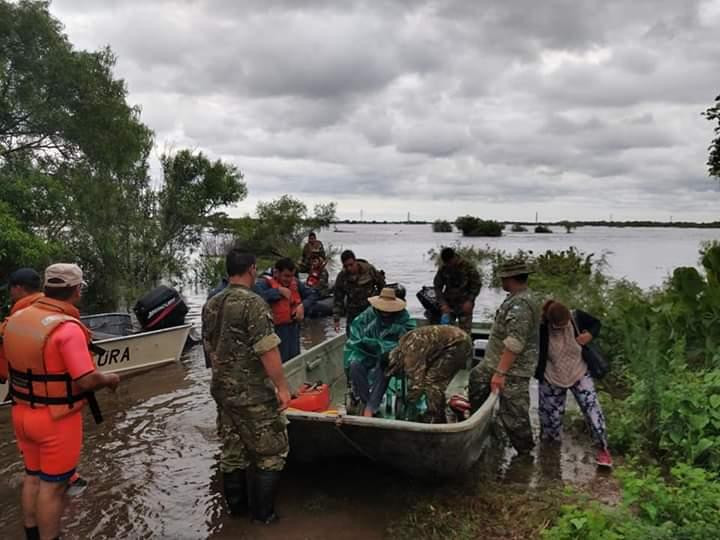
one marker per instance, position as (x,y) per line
(515,267)
(25,277)
(63,275)
(387,301)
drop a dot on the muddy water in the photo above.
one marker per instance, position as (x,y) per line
(152,465)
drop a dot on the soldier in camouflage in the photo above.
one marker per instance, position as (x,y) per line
(457,284)
(430,356)
(356,282)
(247,384)
(511,356)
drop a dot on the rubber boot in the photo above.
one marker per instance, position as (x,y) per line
(236,491)
(262,501)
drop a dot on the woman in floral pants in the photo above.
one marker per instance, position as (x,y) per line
(562,368)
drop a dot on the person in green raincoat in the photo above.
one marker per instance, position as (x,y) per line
(373,334)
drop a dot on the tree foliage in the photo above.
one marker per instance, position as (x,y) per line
(442,226)
(713,163)
(278,229)
(74,168)
(473,226)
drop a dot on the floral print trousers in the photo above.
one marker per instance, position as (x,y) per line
(551,409)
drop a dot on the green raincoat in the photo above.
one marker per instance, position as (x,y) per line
(371,340)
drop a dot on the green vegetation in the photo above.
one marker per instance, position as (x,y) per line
(498,510)
(569,226)
(441,225)
(713,115)
(473,226)
(683,504)
(278,229)
(74,162)
(543,229)
(661,399)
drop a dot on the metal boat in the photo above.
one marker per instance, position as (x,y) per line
(127,351)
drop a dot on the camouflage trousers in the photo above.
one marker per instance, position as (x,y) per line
(464,320)
(254,435)
(514,413)
(437,378)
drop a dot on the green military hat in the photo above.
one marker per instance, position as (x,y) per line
(514,267)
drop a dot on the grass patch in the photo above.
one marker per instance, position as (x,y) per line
(501,512)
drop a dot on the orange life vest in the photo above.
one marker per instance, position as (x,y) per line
(26,301)
(25,336)
(283,308)
(313,278)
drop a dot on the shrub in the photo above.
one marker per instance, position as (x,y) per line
(686,505)
(473,226)
(442,226)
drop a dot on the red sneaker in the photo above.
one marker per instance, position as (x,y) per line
(604,459)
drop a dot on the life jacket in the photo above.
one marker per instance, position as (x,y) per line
(25,336)
(313,278)
(26,301)
(283,308)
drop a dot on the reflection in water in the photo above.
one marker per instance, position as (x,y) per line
(152,465)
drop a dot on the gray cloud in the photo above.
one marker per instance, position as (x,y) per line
(457,106)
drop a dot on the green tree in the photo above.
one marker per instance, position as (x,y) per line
(713,115)
(74,167)
(278,229)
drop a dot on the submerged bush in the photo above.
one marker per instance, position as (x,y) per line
(473,226)
(442,225)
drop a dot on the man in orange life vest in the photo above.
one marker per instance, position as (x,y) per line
(285,295)
(25,287)
(52,374)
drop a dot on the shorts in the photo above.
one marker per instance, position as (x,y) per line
(50,447)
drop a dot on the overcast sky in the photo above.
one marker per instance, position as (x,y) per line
(575,109)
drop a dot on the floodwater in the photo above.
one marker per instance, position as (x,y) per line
(152,465)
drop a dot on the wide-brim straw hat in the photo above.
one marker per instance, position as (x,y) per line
(514,268)
(387,301)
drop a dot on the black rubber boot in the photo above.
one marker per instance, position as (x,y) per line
(262,501)
(236,491)
(32,533)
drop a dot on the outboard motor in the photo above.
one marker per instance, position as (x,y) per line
(163,307)
(400,291)
(429,301)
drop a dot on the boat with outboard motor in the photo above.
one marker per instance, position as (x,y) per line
(120,350)
(428,450)
(118,347)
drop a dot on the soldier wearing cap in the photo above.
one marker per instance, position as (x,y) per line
(511,356)
(429,357)
(45,348)
(373,334)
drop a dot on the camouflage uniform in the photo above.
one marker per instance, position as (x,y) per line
(237,331)
(310,249)
(430,356)
(515,328)
(353,290)
(455,285)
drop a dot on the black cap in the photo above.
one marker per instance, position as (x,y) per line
(25,277)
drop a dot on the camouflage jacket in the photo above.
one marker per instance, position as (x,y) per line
(423,347)
(353,290)
(237,330)
(457,284)
(309,249)
(516,328)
